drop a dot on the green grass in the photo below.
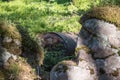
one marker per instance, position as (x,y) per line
(41,17)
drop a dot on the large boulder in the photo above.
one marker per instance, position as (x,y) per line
(75,70)
(98,47)
(101,37)
(100,32)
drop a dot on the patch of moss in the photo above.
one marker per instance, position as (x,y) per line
(14,70)
(115,73)
(91,71)
(67,63)
(107,13)
(17,70)
(25,70)
(2,76)
(11,72)
(10,33)
(9,30)
(119,53)
(63,65)
(83,47)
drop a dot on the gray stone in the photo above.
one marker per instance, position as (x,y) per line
(72,72)
(7,39)
(5,56)
(102,37)
(101,62)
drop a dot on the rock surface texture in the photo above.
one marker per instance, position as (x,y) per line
(103,39)
(98,48)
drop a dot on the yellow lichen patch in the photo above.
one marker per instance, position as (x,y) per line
(63,65)
(107,13)
(70,62)
(9,30)
(82,47)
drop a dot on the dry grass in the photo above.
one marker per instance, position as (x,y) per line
(107,13)
(9,30)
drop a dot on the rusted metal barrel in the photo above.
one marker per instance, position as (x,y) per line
(68,41)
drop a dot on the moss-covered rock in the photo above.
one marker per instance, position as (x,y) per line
(17,70)
(100,32)
(15,46)
(107,13)
(70,70)
(10,38)
(9,30)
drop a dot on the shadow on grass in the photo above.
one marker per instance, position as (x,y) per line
(30,48)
